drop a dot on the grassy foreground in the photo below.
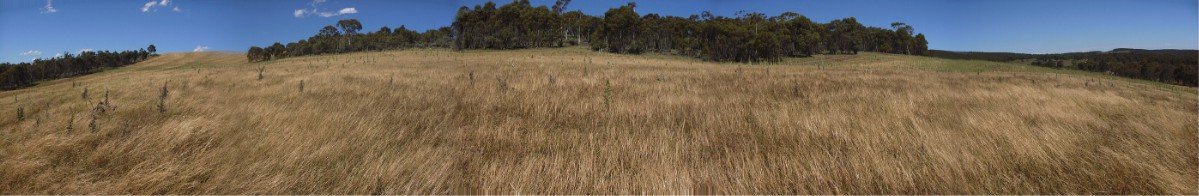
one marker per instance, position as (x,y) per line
(574,121)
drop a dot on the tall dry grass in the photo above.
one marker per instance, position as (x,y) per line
(489,122)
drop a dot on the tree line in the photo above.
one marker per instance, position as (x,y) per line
(1179,67)
(746,37)
(986,56)
(347,36)
(512,26)
(18,75)
(1049,62)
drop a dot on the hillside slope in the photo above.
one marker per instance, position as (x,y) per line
(574,121)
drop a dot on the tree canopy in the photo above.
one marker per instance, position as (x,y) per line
(346,37)
(512,26)
(1168,66)
(13,76)
(745,37)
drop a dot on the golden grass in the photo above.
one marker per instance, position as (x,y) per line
(413,122)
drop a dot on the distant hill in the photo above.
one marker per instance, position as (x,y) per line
(1170,51)
(1013,56)
(989,56)
(1174,66)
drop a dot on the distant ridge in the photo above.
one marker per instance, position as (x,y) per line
(947,53)
(1153,51)
(1173,66)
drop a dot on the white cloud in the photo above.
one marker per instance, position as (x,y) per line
(146,8)
(32,53)
(85,50)
(348,10)
(56,55)
(343,11)
(315,10)
(200,49)
(300,13)
(150,6)
(49,8)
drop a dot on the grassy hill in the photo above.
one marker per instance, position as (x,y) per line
(575,121)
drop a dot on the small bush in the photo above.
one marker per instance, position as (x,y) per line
(607,93)
(795,89)
(100,108)
(106,103)
(162,99)
(503,84)
(71,124)
(92,125)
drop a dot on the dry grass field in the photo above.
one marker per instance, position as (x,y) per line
(572,121)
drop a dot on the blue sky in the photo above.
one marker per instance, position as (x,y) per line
(42,28)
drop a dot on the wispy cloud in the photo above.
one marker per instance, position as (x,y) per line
(316,10)
(343,11)
(146,8)
(32,53)
(300,13)
(200,49)
(49,8)
(154,4)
